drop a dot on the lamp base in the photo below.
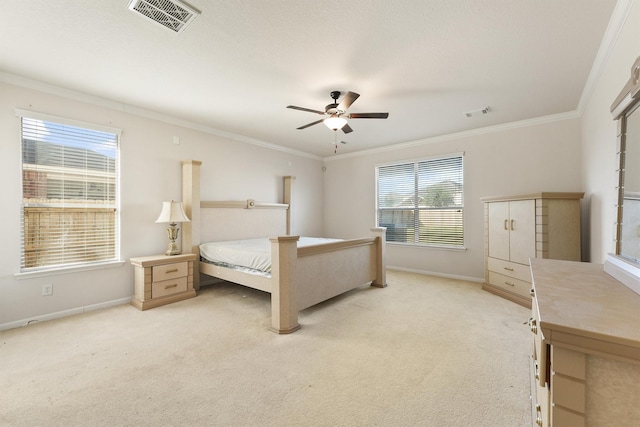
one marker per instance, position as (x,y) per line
(172,232)
(172,251)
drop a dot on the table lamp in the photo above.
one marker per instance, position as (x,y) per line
(172,213)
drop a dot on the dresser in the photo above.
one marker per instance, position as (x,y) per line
(585,363)
(162,279)
(518,228)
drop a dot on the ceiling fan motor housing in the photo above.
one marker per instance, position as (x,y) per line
(332,109)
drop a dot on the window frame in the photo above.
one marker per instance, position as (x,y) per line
(115,260)
(415,242)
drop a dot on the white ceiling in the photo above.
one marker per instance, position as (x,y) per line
(241,62)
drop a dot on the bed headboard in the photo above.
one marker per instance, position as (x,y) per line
(229,220)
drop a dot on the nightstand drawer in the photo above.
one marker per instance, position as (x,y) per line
(168,287)
(170,271)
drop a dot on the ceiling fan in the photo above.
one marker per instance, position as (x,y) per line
(336,114)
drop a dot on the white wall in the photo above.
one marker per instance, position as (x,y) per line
(150,174)
(599,140)
(528,157)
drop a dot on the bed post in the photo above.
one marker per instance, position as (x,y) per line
(191,204)
(284,299)
(381,270)
(288,194)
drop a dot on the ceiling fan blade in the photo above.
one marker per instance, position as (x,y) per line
(346,128)
(293,107)
(310,124)
(368,115)
(348,99)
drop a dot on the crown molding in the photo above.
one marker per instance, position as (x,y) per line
(463,134)
(130,109)
(614,28)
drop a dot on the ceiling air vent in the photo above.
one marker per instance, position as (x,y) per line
(172,14)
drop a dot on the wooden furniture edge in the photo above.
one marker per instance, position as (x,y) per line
(284,300)
(518,299)
(262,283)
(191,204)
(241,204)
(335,246)
(542,195)
(156,302)
(150,261)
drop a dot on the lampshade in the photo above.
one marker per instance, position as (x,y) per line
(172,213)
(335,122)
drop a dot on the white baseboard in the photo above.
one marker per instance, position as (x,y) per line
(433,273)
(64,313)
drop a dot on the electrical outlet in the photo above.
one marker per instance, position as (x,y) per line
(47,289)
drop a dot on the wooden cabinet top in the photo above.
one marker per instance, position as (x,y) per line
(581,306)
(149,261)
(543,195)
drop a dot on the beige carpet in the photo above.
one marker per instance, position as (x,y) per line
(424,351)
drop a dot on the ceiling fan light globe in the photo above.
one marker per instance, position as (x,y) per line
(335,122)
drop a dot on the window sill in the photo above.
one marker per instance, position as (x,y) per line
(67,270)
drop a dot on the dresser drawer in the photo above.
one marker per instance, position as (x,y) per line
(168,287)
(511,269)
(170,271)
(510,284)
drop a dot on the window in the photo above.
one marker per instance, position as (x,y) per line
(70,214)
(421,202)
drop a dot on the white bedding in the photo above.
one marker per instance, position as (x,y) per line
(251,253)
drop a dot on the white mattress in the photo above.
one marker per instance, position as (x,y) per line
(251,253)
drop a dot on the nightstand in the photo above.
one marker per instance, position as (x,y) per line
(162,279)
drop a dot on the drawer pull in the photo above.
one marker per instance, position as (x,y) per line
(512,222)
(175,270)
(508,268)
(175,285)
(537,370)
(533,325)
(539,415)
(532,292)
(509,283)
(506,221)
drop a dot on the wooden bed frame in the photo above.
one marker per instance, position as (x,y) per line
(299,278)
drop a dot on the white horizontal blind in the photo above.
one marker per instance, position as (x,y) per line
(421,202)
(70,195)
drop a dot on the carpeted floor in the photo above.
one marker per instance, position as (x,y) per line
(425,351)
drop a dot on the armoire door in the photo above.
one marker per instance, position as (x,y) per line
(499,230)
(522,230)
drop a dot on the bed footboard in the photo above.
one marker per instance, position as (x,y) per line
(307,276)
